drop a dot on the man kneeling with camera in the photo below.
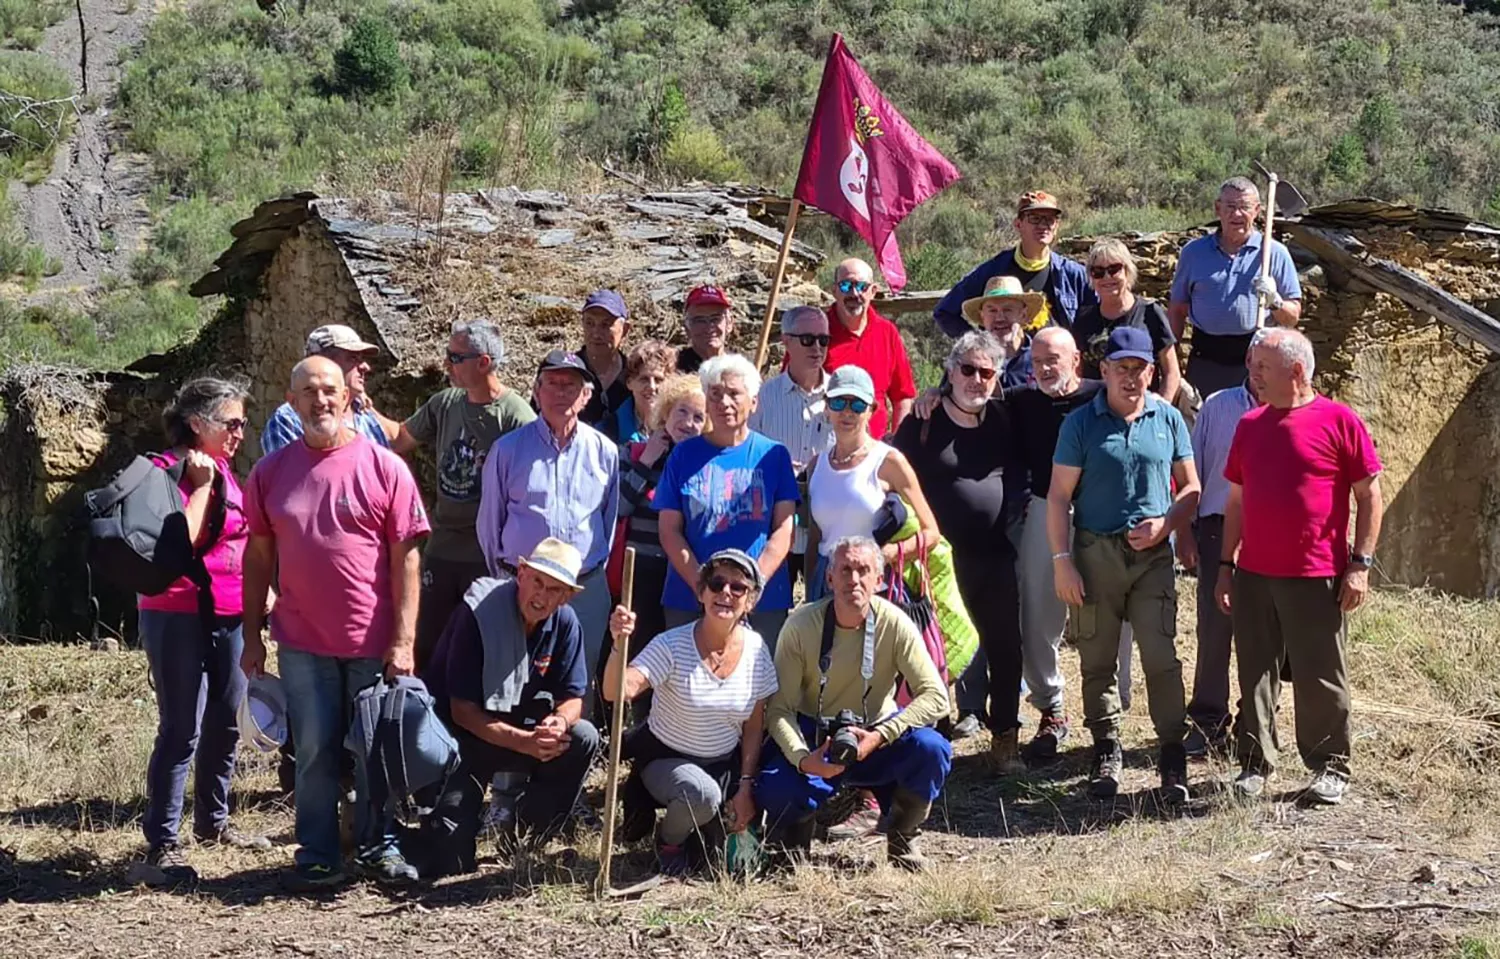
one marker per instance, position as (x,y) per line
(834,721)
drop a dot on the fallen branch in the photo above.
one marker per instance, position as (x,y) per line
(1408,905)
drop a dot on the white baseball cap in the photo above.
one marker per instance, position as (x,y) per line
(262,714)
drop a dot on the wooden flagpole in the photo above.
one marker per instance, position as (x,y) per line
(786,248)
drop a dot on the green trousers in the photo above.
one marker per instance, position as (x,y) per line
(1297,620)
(1121,585)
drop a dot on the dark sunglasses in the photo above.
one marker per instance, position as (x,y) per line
(840,403)
(969,369)
(813,339)
(456,358)
(736,587)
(1100,272)
(853,286)
(236,425)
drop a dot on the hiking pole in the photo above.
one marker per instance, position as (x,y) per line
(616,734)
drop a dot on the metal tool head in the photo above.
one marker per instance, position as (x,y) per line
(1289,200)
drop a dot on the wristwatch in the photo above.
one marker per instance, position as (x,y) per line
(1362,560)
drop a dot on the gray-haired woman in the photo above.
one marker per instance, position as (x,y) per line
(195,670)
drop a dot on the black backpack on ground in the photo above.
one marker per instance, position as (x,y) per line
(138,533)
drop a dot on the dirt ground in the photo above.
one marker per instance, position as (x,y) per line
(1025,866)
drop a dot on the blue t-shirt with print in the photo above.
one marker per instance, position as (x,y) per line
(726,496)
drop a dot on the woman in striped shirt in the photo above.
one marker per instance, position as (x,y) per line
(702,742)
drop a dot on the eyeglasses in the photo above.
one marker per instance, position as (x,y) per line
(1111,269)
(840,403)
(984,373)
(853,286)
(1040,219)
(736,587)
(456,358)
(236,425)
(810,340)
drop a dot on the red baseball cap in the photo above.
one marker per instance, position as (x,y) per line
(708,296)
(1037,200)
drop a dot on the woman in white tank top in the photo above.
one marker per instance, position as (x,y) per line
(847,485)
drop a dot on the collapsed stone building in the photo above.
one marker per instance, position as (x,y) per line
(1399,302)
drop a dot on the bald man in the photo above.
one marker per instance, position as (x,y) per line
(860,336)
(339,519)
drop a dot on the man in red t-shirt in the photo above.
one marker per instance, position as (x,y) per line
(1287,574)
(864,338)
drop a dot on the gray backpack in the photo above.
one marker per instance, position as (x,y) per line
(400,746)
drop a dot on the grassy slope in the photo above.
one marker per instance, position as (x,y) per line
(1027,864)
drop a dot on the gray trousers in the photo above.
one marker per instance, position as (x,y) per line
(1044,618)
(1277,619)
(691,796)
(1209,707)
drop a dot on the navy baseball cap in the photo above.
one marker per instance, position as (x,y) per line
(609,301)
(1129,343)
(565,360)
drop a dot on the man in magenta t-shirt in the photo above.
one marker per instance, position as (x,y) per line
(1287,574)
(338,519)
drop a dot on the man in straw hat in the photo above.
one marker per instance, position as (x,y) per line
(1006,311)
(509,677)
(1064,284)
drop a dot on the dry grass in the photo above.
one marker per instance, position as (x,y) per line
(1025,866)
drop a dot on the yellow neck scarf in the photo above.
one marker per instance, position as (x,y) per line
(1031,266)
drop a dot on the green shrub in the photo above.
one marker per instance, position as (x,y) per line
(24,20)
(696,153)
(369,60)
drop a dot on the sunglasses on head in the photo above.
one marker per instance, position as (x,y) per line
(456,358)
(736,587)
(854,286)
(984,373)
(840,403)
(1100,272)
(810,340)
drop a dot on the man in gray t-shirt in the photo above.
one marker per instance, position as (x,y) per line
(460,425)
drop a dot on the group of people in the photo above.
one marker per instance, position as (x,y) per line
(1053,469)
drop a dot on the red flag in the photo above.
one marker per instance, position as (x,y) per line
(864,163)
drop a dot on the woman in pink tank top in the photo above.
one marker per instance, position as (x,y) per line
(189,659)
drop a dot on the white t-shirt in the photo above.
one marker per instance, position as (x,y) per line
(692,710)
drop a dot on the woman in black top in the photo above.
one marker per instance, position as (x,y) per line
(1113,273)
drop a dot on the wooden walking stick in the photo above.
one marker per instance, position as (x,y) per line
(616,734)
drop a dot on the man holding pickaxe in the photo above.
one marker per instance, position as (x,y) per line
(1227,287)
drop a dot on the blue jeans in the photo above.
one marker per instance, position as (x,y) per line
(319,693)
(198,690)
(918,761)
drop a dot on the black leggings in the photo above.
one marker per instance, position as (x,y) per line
(987,582)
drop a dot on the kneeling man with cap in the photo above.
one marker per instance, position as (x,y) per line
(834,721)
(509,678)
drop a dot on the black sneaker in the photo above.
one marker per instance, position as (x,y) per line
(233,836)
(1108,761)
(1202,740)
(1173,765)
(388,869)
(164,865)
(314,877)
(1051,733)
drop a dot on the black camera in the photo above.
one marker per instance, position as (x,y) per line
(843,745)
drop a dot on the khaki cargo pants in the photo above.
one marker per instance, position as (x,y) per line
(1124,585)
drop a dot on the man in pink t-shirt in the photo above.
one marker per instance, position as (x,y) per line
(1287,573)
(338,519)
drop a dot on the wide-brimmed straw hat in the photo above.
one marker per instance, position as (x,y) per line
(1003,286)
(557,560)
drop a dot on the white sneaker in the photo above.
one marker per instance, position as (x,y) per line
(1326,789)
(1249,785)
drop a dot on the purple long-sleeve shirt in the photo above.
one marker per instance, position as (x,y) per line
(532,489)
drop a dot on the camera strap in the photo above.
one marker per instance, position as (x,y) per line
(866,663)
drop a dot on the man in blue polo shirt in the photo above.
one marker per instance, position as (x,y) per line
(1032,261)
(509,678)
(342,345)
(1217,287)
(1116,460)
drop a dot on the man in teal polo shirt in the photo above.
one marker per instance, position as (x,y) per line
(1115,463)
(1217,287)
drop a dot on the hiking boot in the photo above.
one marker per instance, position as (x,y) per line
(388,868)
(1249,785)
(864,821)
(1104,782)
(165,865)
(1173,766)
(234,837)
(1051,733)
(672,859)
(1005,753)
(968,725)
(313,877)
(1200,741)
(908,813)
(1326,789)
